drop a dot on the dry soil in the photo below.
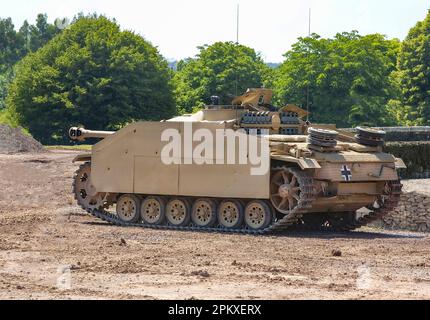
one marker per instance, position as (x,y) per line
(51,249)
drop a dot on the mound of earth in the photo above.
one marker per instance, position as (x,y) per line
(13,140)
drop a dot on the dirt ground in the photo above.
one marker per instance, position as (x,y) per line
(50,249)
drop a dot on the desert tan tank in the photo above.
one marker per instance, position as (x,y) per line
(316,177)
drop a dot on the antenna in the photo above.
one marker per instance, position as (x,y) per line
(307,89)
(237,25)
(237,42)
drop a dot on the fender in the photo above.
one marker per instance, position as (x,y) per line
(400,164)
(82,157)
(303,163)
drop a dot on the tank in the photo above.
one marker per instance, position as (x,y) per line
(156,175)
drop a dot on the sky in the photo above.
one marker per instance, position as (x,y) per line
(268,26)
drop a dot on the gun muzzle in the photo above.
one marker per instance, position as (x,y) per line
(80,134)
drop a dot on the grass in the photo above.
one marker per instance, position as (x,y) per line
(83,147)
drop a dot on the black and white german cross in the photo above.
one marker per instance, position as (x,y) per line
(346,173)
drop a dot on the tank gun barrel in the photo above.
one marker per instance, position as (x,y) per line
(80,134)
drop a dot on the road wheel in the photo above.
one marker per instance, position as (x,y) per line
(204,213)
(258,215)
(153,210)
(230,214)
(178,212)
(128,208)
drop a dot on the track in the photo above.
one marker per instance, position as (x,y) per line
(390,202)
(296,219)
(278,225)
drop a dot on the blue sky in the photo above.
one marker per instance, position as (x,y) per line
(269,26)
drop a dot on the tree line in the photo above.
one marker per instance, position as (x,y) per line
(92,73)
(14,45)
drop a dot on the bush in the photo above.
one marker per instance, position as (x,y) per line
(416,156)
(7,118)
(224,69)
(92,74)
(408,134)
(346,78)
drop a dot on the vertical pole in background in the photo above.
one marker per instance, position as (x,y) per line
(237,43)
(237,26)
(307,89)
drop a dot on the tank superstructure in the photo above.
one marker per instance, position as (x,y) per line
(318,177)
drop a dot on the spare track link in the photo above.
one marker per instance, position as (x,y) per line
(279,225)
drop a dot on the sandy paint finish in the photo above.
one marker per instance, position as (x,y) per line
(345,176)
(130,162)
(359,172)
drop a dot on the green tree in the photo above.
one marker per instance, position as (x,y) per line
(225,69)
(15,45)
(25,33)
(92,74)
(41,32)
(5,79)
(414,76)
(347,78)
(11,45)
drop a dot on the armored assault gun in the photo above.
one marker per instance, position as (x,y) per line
(317,177)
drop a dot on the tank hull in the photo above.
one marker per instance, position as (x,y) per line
(246,170)
(130,162)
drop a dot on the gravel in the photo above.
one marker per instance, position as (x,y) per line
(13,140)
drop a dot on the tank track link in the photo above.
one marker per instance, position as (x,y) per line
(377,213)
(278,225)
(370,137)
(322,138)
